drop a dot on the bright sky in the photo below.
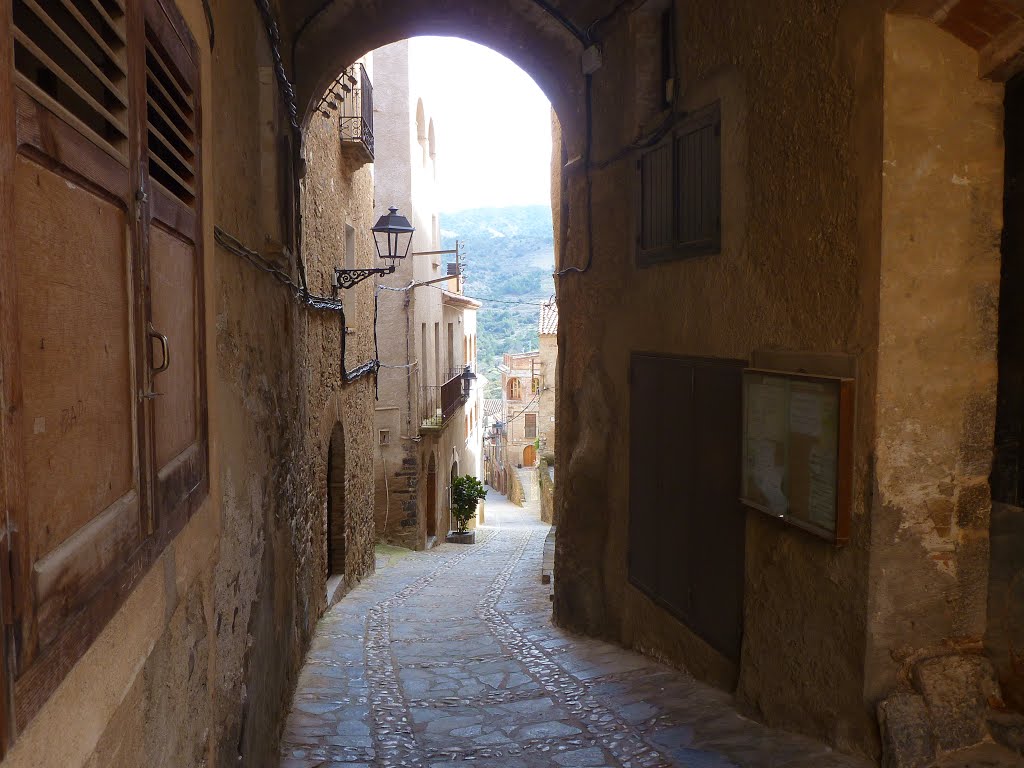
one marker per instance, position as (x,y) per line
(493,125)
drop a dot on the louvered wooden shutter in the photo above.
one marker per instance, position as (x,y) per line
(72,342)
(71,57)
(680,198)
(698,173)
(173,244)
(657,185)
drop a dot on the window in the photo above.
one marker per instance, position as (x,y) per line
(535,386)
(451,349)
(680,192)
(668,56)
(437,355)
(515,391)
(350,247)
(384,437)
(424,378)
(530,425)
(133,425)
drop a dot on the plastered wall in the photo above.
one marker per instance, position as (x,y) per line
(800,96)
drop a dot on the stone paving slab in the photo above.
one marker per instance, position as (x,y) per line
(450,656)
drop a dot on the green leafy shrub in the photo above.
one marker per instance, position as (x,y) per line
(466,494)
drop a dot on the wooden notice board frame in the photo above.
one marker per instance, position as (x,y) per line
(798,450)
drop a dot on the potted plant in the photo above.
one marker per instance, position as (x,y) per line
(467,492)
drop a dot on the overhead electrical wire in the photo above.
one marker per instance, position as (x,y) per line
(232,244)
(274,37)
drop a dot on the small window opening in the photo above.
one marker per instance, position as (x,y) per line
(668,57)
(350,247)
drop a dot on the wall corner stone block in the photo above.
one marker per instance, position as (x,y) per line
(906,731)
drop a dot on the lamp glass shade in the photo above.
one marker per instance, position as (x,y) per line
(392,235)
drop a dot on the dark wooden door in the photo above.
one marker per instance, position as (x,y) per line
(686,533)
(1008,463)
(432,498)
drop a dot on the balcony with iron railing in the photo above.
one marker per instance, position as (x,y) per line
(351,95)
(439,404)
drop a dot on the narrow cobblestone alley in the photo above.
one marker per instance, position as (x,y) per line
(450,655)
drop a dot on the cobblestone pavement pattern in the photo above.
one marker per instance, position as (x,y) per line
(450,656)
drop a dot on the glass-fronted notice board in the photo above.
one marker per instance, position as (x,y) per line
(798,449)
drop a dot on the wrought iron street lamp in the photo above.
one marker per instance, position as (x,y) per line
(392,234)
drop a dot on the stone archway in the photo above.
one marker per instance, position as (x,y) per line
(328,37)
(336,502)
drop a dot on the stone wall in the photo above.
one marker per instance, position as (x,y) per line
(547,492)
(942,217)
(516,492)
(197,666)
(548,399)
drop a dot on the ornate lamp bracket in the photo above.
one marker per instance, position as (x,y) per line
(346,278)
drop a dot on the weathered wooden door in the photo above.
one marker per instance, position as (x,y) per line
(686,532)
(103,433)
(529,456)
(174,279)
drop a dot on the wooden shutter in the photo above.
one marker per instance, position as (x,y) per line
(656,195)
(75,503)
(698,171)
(680,192)
(99,253)
(172,241)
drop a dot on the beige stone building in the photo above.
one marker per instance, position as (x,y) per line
(823,186)
(521,384)
(428,415)
(547,402)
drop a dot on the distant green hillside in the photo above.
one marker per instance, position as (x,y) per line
(509,258)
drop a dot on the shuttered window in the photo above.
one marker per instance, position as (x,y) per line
(101,331)
(680,205)
(71,57)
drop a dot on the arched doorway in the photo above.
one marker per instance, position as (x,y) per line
(451,480)
(431,512)
(336,502)
(529,456)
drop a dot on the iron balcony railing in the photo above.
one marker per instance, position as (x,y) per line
(438,404)
(357,112)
